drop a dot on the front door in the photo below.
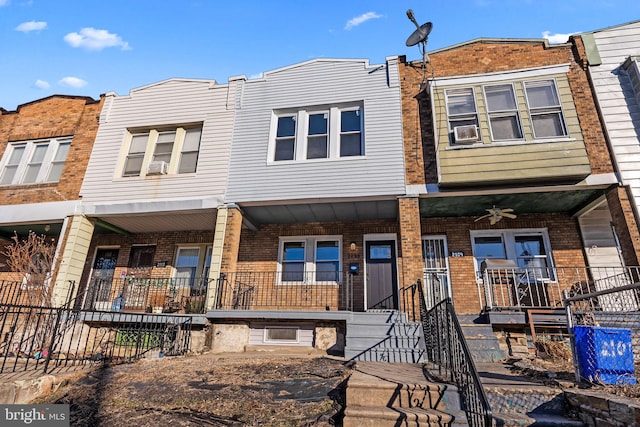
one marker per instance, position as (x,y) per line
(104,265)
(381,277)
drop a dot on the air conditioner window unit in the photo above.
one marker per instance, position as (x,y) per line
(157,168)
(465,134)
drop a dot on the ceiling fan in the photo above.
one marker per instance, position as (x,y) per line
(496,214)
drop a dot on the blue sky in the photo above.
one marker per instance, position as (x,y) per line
(89,47)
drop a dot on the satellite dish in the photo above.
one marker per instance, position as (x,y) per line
(419,36)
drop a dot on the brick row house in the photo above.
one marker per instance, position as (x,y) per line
(286,209)
(45,147)
(512,180)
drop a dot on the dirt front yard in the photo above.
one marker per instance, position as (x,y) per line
(208,390)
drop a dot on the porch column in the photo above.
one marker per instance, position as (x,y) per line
(226,243)
(624,220)
(410,243)
(71,256)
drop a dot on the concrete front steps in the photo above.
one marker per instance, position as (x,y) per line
(398,394)
(483,344)
(518,401)
(384,336)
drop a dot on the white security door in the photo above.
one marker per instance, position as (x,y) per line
(436,269)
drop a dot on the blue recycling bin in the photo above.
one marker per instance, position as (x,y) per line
(605,355)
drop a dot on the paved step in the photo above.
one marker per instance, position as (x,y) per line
(534,420)
(380,416)
(392,394)
(365,390)
(483,345)
(384,336)
(519,401)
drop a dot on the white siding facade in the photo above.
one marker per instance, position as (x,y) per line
(615,95)
(254,177)
(166,103)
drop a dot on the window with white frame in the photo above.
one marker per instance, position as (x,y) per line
(310,259)
(461,108)
(34,161)
(545,109)
(520,110)
(504,120)
(317,133)
(162,151)
(528,248)
(192,266)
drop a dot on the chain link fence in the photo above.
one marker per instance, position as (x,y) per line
(605,335)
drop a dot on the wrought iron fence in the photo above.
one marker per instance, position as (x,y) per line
(605,334)
(151,295)
(49,338)
(517,288)
(448,354)
(284,291)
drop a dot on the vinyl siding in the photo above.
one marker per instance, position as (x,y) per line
(528,160)
(165,103)
(617,100)
(319,83)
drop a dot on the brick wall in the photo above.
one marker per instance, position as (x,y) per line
(564,236)
(258,250)
(166,245)
(55,116)
(491,57)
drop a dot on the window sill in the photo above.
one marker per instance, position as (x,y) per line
(508,143)
(148,177)
(308,161)
(32,185)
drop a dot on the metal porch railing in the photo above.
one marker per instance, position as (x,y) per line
(518,288)
(151,295)
(47,338)
(316,290)
(448,354)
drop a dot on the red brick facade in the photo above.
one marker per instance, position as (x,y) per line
(51,117)
(494,56)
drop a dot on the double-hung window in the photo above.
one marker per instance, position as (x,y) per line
(317,133)
(192,267)
(351,133)
(461,108)
(313,259)
(171,150)
(286,138)
(545,109)
(502,109)
(32,162)
(318,136)
(133,163)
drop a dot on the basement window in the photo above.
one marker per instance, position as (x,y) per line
(281,335)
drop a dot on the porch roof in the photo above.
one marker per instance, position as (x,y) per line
(297,212)
(459,204)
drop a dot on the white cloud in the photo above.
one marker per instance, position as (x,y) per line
(556,38)
(41,84)
(93,39)
(354,22)
(256,76)
(4,2)
(31,26)
(72,82)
